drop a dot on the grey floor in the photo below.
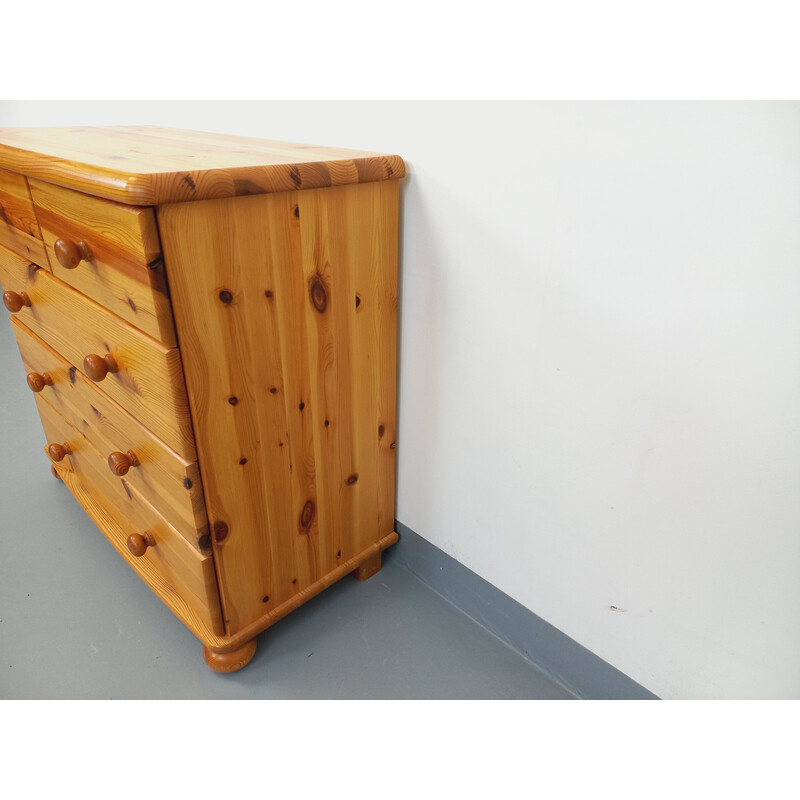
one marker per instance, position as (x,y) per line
(76,622)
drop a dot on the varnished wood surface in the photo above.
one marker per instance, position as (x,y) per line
(125,272)
(172,575)
(143,165)
(16,207)
(19,229)
(228,643)
(28,247)
(283,278)
(170,483)
(368,568)
(16,301)
(231,661)
(183,578)
(285,307)
(149,383)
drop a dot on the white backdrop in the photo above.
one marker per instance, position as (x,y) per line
(599,361)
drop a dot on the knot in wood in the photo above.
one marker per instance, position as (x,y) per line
(318,293)
(220,530)
(307,515)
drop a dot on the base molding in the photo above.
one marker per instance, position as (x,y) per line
(227,644)
(563,659)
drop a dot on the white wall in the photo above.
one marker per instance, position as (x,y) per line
(600,361)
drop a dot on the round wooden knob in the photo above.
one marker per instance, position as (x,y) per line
(70,254)
(58,451)
(138,544)
(120,463)
(97,367)
(14,301)
(37,382)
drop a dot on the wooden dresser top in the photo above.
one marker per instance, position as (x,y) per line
(147,165)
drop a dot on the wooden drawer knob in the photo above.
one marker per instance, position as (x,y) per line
(97,367)
(14,301)
(138,544)
(37,382)
(70,254)
(120,463)
(58,451)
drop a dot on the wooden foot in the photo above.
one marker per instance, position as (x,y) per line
(55,473)
(230,662)
(367,568)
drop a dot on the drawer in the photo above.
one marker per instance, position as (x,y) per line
(122,268)
(168,482)
(148,382)
(19,230)
(181,576)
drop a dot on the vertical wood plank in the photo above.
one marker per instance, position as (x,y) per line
(286,300)
(292,402)
(326,274)
(375,351)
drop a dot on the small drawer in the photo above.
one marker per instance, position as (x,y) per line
(168,482)
(19,230)
(110,252)
(181,576)
(142,375)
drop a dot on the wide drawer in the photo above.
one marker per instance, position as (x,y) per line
(110,252)
(19,230)
(183,578)
(149,379)
(168,482)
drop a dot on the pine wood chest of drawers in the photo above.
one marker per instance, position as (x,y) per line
(208,324)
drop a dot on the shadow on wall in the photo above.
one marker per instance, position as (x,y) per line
(420,400)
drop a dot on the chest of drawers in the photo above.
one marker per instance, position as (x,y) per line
(208,325)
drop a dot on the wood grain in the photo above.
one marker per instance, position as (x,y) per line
(126,272)
(26,246)
(170,483)
(144,165)
(231,661)
(183,578)
(16,207)
(282,261)
(349,246)
(285,307)
(149,383)
(19,230)
(269,618)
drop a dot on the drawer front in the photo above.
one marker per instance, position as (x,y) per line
(148,382)
(168,482)
(19,230)
(123,269)
(183,578)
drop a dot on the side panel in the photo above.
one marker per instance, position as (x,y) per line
(286,312)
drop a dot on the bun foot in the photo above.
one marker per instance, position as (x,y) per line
(55,473)
(366,569)
(230,662)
